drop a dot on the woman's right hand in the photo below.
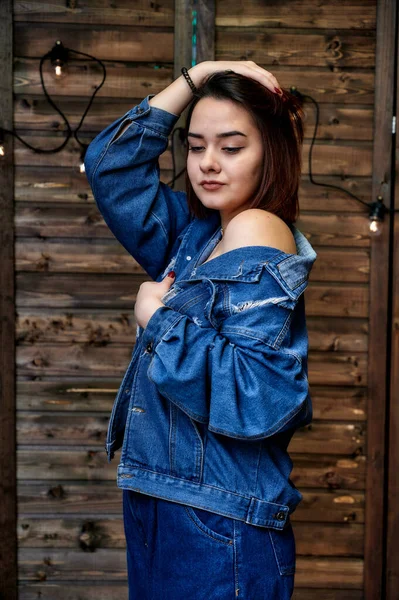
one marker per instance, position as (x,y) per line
(178,94)
(244,67)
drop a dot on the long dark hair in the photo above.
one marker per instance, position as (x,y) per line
(279,119)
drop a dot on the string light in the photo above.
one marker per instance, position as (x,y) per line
(59,56)
(82,168)
(59,59)
(2,148)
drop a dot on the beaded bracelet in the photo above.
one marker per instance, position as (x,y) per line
(188,79)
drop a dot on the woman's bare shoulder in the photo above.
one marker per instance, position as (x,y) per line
(258,227)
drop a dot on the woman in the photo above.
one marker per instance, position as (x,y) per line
(217,384)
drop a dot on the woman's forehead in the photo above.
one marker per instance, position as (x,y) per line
(211,114)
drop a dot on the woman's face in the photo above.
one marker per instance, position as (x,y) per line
(235,160)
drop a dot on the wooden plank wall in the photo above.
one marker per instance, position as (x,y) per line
(76,285)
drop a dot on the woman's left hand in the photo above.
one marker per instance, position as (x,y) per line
(148,298)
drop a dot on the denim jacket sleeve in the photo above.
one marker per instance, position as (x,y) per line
(236,379)
(143,213)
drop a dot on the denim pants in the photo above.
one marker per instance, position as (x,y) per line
(177,552)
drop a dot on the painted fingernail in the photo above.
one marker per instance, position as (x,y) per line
(277,90)
(171,274)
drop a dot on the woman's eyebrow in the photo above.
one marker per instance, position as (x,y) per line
(218,135)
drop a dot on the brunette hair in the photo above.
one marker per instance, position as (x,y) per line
(279,118)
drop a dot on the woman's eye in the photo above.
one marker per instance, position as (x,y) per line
(229,150)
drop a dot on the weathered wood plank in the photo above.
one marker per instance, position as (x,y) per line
(320,572)
(46,325)
(65,184)
(334,334)
(95,590)
(135,80)
(105,591)
(336,300)
(325,368)
(90,464)
(87,395)
(83,220)
(327,200)
(255,13)
(95,327)
(56,465)
(341,49)
(109,256)
(332,506)
(52,185)
(68,157)
(77,221)
(308,594)
(358,16)
(349,404)
(96,256)
(73,359)
(337,368)
(88,290)
(96,12)
(333,438)
(94,395)
(60,565)
(93,499)
(124,80)
(331,158)
(68,429)
(110,43)
(312,539)
(83,290)
(323,471)
(336,122)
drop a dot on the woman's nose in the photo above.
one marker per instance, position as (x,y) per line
(209,161)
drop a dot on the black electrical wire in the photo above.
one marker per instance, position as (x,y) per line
(59,111)
(379,206)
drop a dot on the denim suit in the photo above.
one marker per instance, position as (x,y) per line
(217,383)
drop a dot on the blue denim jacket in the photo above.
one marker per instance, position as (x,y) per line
(217,383)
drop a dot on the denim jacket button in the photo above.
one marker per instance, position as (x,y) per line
(140,110)
(280,516)
(149,347)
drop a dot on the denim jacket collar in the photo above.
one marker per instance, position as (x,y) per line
(246,264)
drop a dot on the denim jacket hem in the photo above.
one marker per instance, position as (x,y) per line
(247,508)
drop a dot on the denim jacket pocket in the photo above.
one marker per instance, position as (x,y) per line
(213,525)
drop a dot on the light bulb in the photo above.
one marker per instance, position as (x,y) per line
(82,168)
(375,227)
(59,59)
(2,151)
(376,216)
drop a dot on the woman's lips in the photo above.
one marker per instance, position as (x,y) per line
(212,186)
